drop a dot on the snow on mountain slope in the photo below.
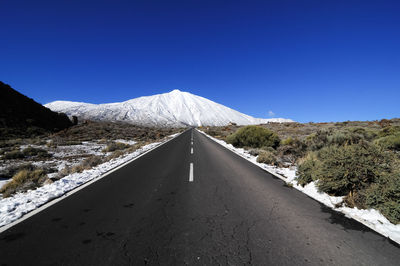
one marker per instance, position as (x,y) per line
(175,108)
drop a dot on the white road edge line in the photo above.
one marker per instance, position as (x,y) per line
(69,193)
(191,173)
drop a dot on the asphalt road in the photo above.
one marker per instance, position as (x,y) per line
(232,213)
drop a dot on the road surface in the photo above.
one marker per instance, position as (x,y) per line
(192,204)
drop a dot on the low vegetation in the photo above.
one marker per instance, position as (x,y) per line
(115,154)
(90,130)
(23,181)
(391,142)
(116,146)
(267,157)
(15,154)
(30,152)
(87,164)
(254,137)
(10,171)
(358,160)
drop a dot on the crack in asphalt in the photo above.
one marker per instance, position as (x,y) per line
(126,252)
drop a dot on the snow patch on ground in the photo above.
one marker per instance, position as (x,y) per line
(15,207)
(371,217)
(87,147)
(129,142)
(62,156)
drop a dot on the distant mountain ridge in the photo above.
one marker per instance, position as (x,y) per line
(175,108)
(22,115)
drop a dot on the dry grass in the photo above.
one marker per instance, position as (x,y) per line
(31,151)
(267,157)
(115,155)
(23,181)
(10,171)
(86,164)
(119,153)
(116,146)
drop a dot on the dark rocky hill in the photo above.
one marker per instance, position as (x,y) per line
(22,116)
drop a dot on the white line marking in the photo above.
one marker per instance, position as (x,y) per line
(69,193)
(192,142)
(191,173)
(191,151)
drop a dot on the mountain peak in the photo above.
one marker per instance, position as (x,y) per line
(175,91)
(177,109)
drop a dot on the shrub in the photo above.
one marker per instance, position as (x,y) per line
(87,164)
(213,132)
(384,123)
(64,172)
(267,157)
(134,147)
(266,148)
(391,142)
(79,168)
(11,143)
(342,138)
(92,161)
(114,146)
(30,151)
(345,169)
(254,152)
(254,137)
(13,169)
(349,136)
(23,181)
(318,140)
(365,133)
(291,151)
(288,141)
(115,154)
(385,196)
(16,154)
(390,130)
(306,171)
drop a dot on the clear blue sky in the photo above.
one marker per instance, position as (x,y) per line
(315,61)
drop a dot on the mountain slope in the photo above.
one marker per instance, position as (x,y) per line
(175,108)
(20,114)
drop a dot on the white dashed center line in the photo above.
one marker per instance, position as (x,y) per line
(191,173)
(191,151)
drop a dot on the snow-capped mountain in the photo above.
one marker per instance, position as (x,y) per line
(175,108)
